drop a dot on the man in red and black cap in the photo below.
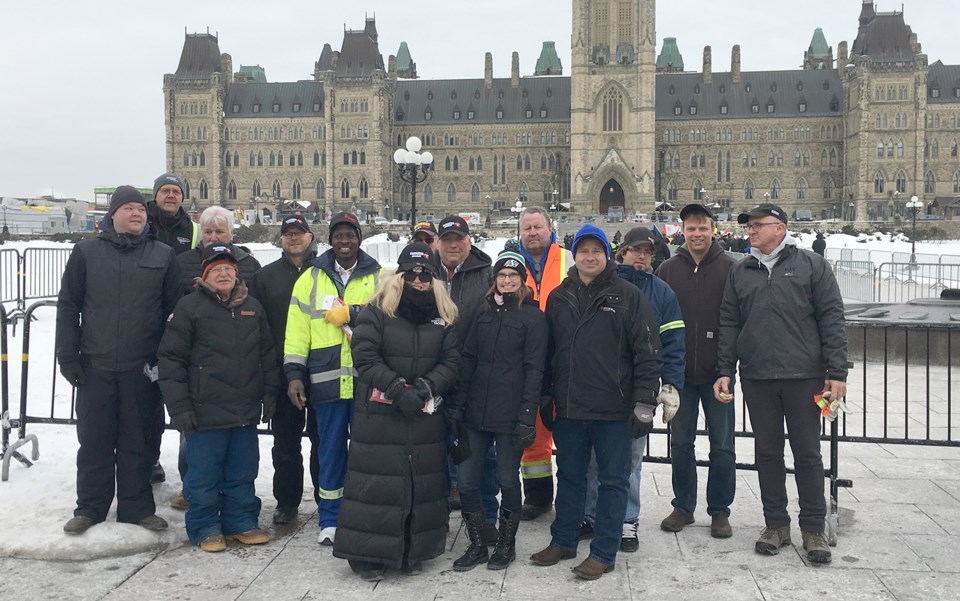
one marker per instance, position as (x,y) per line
(272,286)
(426,232)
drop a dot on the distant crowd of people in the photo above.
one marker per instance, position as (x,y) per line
(451,383)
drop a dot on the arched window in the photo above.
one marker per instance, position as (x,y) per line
(345,188)
(526,163)
(827,189)
(878,181)
(364,188)
(806,158)
(253,159)
(186,189)
(204,190)
(296,189)
(748,189)
(227,159)
(775,189)
(236,159)
(447,164)
(475,192)
(693,160)
(232,190)
(273,159)
(479,163)
(451,193)
(276,189)
(671,190)
(316,158)
(697,187)
(801,189)
(901,182)
(456,163)
(612,110)
(256,188)
(405,194)
(193,159)
(929,183)
(321,189)
(203,159)
(186,159)
(428,194)
(953,148)
(299,159)
(956,182)
(833,158)
(880,149)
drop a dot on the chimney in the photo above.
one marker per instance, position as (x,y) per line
(515,71)
(707,65)
(488,71)
(735,64)
(842,58)
(334,59)
(392,67)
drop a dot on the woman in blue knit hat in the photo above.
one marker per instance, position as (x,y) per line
(500,380)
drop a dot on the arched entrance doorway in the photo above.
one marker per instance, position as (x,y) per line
(611,195)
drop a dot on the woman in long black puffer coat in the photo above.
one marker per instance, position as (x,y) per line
(394,509)
(500,380)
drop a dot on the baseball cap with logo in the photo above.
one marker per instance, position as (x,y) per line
(426,227)
(294,221)
(216,254)
(415,254)
(763,210)
(454,224)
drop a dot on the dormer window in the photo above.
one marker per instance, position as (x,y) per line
(935,92)
(276,107)
(456,115)
(316,107)
(803,107)
(499,113)
(770,108)
(677,110)
(528,113)
(256,108)
(543,113)
(723,109)
(296,107)
(471,115)
(693,109)
(755,108)
(236,108)
(427,115)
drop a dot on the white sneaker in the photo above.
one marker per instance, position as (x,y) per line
(327,535)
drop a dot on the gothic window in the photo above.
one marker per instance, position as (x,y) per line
(929,183)
(801,189)
(446,164)
(953,148)
(775,189)
(697,187)
(612,110)
(276,189)
(796,159)
(232,190)
(834,160)
(671,190)
(475,192)
(253,160)
(748,189)
(456,163)
(296,189)
(806,158)
(935,150)
(745,158)
(878,181)
(292,158)
(273,159)
(428,194)
(771,159)
(256,188)
(901,182)
(703,160)
(186,159)
(321,190)
(827,189)
(204,190)
(316,158)
(693,161)
(956,182)
(451,193)
(364,188)
(479,163)
(353,157)
(900,149)
(226,159)
(880,149)
(494,170)
(824,161)
(345,188)
(524,192)
(193,159)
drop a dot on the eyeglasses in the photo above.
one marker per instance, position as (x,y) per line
(292,235)
(753,227)
(508,276)
(424,275)
(424,238)
(638,250)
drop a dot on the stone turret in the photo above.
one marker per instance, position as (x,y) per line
(549,62)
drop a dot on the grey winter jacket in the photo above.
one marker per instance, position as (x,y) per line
(784,324)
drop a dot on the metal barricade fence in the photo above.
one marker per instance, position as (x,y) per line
(905,281)
(856,279)
(42,270)
(9,275)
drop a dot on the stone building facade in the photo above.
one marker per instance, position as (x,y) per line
(849,136)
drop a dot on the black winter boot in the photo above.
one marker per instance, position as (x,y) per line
(506,550)
(476,553)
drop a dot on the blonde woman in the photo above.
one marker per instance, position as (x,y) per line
(394,509)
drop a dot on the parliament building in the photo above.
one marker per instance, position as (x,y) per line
(851,135)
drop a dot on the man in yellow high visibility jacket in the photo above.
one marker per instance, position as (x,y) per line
(326,299)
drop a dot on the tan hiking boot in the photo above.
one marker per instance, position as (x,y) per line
(676,521)
(771,539)
(213,543)
(815,544)
(254,536)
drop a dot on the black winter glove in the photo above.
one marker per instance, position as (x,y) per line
(185,422)
(394,389)
(72,372)
(641,420)
(546,413)
(269,408)
(409,402)
(523,436)
(423,389)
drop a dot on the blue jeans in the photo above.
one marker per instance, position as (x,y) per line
(471,470)
(633,493)
(223,465)
(489,487)
(333,428)
(611,442)
(722,477)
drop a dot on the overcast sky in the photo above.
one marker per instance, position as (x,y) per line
(81,99)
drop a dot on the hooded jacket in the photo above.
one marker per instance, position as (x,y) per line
(179,232)
(699,290)
(217,360)
(115,295)
(666,312)
(604,352)
(783,324)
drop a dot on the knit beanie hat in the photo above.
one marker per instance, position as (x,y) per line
(590,231)
(167,178)
(124,195)
(217,254)
(344,217)
(510,260)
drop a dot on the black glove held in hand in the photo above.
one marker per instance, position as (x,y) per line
(423,389)
(523,436)
(73,373)
(394,389)
(409,402)
(641,420)
(185,422)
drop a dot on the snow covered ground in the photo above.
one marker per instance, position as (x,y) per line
(36,501)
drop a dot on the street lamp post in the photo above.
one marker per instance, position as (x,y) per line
(914,206)
(517,208)
(413,168)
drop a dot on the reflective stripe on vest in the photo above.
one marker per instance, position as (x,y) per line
(671,325)
(196,235)
(536,469)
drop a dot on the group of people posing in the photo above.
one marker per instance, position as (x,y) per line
(438,385)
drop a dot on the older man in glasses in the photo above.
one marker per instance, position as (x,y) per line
(782,319)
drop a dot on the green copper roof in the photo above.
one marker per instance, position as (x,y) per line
(670,57)
(403,57)
(818,45)
(549,62)
(255,73)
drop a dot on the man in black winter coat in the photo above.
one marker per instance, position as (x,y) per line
(116,293)
(168,221)
(216,225)
(604,359)
(272,286)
